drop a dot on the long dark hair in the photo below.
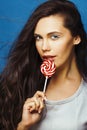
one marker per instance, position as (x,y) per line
(21,77)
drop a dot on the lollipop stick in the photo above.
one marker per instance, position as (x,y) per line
(45,84)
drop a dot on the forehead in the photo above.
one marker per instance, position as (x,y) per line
(51,23)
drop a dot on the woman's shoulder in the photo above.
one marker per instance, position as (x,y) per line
(84,84)
(84,91)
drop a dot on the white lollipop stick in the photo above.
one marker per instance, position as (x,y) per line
(45,84)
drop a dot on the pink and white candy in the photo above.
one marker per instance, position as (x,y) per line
(48,67)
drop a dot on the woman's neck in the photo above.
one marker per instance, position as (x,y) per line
(68,71)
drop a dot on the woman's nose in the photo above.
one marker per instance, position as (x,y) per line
(45,45)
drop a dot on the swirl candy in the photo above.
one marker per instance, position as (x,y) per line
(48,67)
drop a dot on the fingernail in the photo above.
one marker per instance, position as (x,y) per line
(45,98)
(39,111)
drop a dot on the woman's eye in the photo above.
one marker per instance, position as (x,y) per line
(54,37)
(37,38)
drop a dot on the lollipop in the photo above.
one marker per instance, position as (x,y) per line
(47,69)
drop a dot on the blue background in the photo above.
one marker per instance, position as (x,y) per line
(13,16)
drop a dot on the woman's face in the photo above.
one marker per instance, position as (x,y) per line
(53,40)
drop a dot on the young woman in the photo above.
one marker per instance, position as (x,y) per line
(54,31)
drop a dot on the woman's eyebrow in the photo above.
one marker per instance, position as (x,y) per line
(35,35)
(54,32)
(49,33)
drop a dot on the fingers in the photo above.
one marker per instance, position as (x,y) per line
(40,94)
(35,103)
(41,106)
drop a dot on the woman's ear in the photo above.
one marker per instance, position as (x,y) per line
(77,40)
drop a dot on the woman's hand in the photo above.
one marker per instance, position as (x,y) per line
(32,110)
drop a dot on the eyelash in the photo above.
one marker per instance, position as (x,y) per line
(54,37)
(37,38)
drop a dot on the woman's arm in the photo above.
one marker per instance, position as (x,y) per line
(21,126)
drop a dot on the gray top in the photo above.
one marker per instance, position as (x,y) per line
(67,114)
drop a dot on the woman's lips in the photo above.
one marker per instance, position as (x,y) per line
(48,57)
